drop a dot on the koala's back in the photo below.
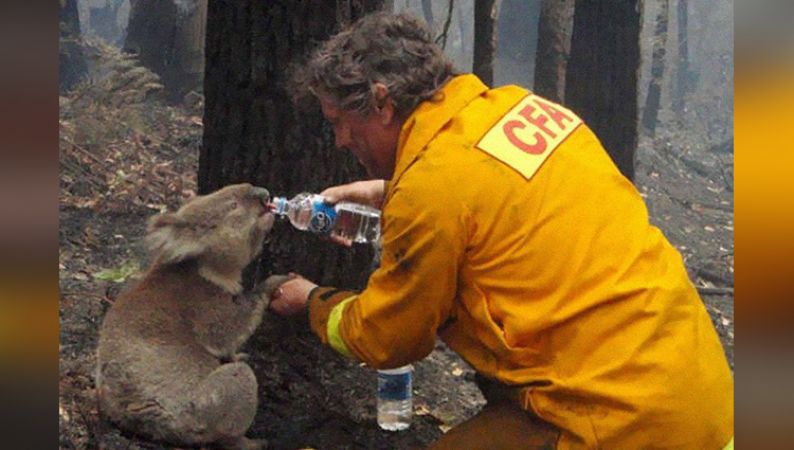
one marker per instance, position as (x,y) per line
(147,354)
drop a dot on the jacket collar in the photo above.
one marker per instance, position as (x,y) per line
(429,117)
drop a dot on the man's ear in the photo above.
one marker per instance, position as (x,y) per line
(384,106)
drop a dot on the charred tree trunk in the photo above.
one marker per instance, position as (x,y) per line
(252,132)
(654,96)
(682,75)
(517,38)
(484,42)
(601,79)
(554,47)
(71,62)
(168,38)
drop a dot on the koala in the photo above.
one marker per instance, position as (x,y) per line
(167,361)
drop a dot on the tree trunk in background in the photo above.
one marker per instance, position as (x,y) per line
(191,30)
(168,38)
(517,38)
(465,36)
(601,80)
(653,100)
(427,11)
(682,75)
(252,132)
(104,22)
(554,47)
(71,62)
(484,43)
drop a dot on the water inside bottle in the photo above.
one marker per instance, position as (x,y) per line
(356,222)
(395,415)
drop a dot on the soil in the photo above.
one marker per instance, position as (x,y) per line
(309,396)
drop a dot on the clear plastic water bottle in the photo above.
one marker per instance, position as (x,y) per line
(395,398)
(310,212)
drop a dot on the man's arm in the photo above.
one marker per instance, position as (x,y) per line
(395,319)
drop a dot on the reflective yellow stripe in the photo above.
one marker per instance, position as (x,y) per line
(334,338)
(729,446)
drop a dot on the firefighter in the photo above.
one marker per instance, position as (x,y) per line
(509,233)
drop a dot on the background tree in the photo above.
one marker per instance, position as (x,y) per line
(601,78)
(253,133)
(103,20)
(516,39)
(682,86)
(484,42)
(654,96)
(553,48)
(71,62)
(168,37)
(465,33)
(427,11)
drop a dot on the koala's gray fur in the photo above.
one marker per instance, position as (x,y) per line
(167,362)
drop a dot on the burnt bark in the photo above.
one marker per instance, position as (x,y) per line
(554,46)
(601,78)
(484,40)
(253,133)
(71,61)
(654,96)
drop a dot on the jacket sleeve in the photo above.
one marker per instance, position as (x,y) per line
(395,319)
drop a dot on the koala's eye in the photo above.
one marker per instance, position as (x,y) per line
(234,205)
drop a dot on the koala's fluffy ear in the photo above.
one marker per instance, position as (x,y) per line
(171,238)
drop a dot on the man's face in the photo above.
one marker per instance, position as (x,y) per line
(372,138)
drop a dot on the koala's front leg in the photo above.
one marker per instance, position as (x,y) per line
(232,329)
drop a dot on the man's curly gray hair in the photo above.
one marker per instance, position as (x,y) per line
(395,50)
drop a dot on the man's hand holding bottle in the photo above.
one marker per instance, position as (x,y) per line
(293,295)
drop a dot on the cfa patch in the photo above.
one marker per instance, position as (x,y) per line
(525,136)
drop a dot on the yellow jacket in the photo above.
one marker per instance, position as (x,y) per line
(509,233)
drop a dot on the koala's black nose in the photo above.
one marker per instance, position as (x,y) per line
(261,193)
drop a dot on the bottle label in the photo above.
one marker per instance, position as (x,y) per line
(323,217)
(394,386)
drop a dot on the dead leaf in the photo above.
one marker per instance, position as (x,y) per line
(421,410)
(119,274)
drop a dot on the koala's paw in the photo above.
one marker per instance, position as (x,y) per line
(272,283)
